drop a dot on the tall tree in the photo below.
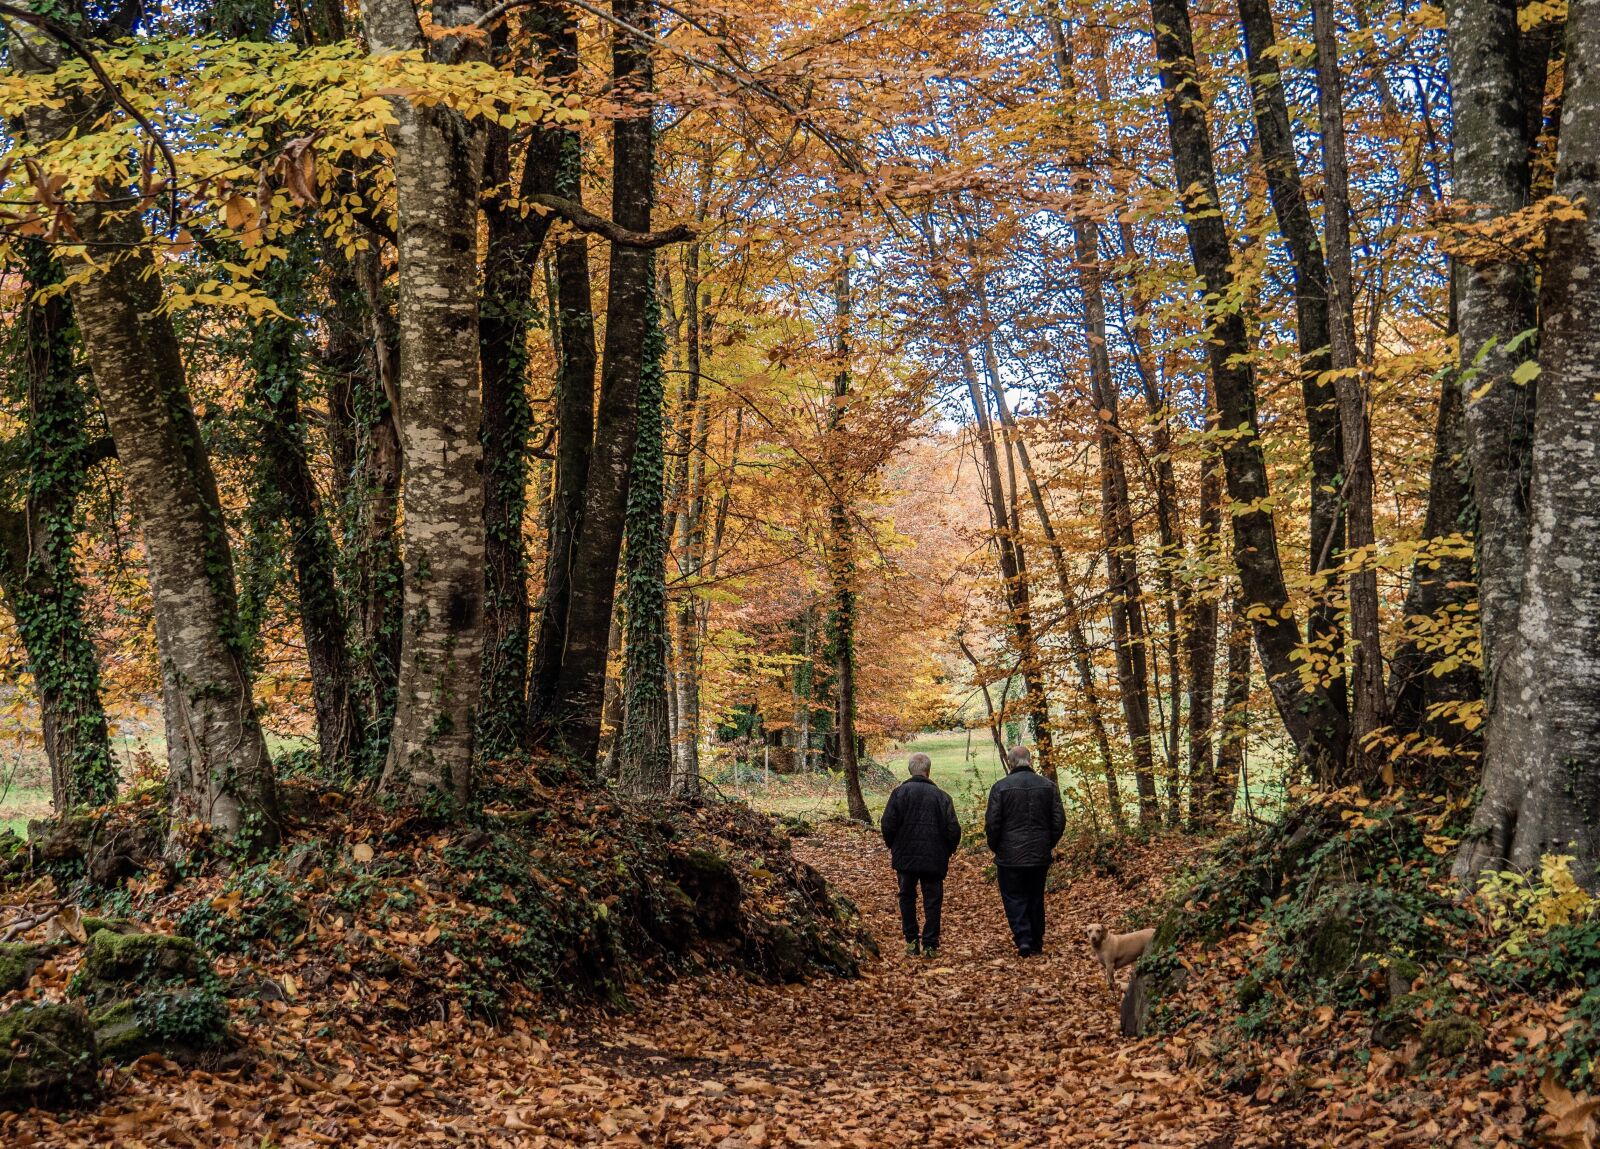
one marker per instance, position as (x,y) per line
(1313,331)
(284,490)
(841,562)
(220,771)
(644,760)
(438,164)
(1496,306)
(1541,786)
(39,570)
(1314,721)
(1122,571)
(566,714)
(1368,702)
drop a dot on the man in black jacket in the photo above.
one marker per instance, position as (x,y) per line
(920,828)
(1023,824)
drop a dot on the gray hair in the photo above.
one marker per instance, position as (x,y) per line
(1019,757)
(919,765)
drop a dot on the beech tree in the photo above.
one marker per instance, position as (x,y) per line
(1541,788)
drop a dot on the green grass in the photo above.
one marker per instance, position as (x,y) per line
(967,780)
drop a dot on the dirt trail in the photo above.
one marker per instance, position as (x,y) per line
(973,1047)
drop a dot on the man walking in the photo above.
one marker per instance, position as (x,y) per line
(1023,824)
(920,828)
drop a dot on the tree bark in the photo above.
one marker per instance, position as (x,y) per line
(1541,787)
(690,528)
(842,566)
(645,761)
(1315,724)
(38,565)
(1368,709)
(438,168)
(1496,301)
(1200,648)
(568,717)
(286,491)
(514,238)
(1281,165)
(376,578)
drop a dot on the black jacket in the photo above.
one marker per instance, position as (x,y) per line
(1024,820)
(920,828)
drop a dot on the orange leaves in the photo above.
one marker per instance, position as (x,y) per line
(1516,237)
(1571,1120)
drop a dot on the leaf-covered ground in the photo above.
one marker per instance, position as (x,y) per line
(971,1048)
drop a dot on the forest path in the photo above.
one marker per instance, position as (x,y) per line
(973,1047)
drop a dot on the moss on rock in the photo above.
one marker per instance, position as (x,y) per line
(47,1054)
(117,965)
(1448,1038)
(18,961)
(177,1022)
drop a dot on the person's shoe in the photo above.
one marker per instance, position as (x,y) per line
(930,951)
(1024,952)
(912,949)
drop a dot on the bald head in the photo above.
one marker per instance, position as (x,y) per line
(1019,758)
(919,766)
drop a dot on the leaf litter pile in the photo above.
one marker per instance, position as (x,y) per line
(357,1021)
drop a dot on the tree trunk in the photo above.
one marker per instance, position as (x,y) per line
(1200,648)
(1326,527)
(644,765)
(220,771)
(842,566)
(438,166)
(1496,311)
(1368,709)
(690,527)
(1234,729)
(1314,722)
(568,718)
(38,565)
(515,238)
(287,492)
(1541,786)
(372,507)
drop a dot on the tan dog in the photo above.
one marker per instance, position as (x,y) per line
(1114,951)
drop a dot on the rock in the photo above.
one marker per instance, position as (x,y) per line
(180,1023)
(1347,921)
(47,1055)
(1136,1006)
(709,881)
(1394,1030)
(18,961)
(1448,1038)
(117,966)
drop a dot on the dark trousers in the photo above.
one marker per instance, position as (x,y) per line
(1022,894)
(932,905)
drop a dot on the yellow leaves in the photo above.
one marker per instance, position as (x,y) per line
(1524,907)
(1538,12)
(1512,237)
(232,295)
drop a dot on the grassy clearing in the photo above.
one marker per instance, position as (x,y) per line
(821,795)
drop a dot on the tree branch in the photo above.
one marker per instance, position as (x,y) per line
(585,220)
(70,38)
